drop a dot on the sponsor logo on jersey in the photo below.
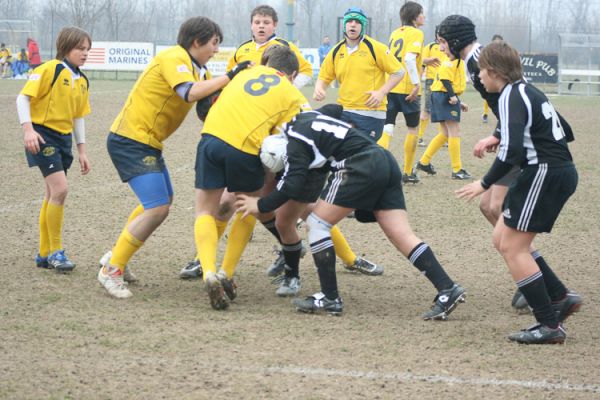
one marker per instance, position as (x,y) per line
(34,77)
(149,160)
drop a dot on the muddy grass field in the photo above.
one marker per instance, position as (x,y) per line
(62,336)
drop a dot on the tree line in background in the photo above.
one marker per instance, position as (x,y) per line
(530,25)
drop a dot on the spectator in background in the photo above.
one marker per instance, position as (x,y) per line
(21,66)
(5,57)
(324,49)
(33,53)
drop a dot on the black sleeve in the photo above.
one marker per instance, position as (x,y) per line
(497,170)
(566,128)
(514,119)
(448,85)
(496,132)
(291,184)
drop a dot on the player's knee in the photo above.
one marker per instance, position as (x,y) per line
(158,214)
(318,229)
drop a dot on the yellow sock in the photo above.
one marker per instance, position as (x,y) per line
(454,150)
(221,226)
(341,246)
(386,137)
(486,107)
(422,126)
(410,151)
(54,222)
(207,238)
(239,236)
(136,211)
(126,246)
(384,141)
(436,143)
(44,237)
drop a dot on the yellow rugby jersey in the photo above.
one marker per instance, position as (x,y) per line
(455,72)
(363,70)
(407,39)
(58,95)
(256,102)
(153,110)
(432,50)
(252,51)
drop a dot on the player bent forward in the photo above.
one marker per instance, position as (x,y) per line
(364,177)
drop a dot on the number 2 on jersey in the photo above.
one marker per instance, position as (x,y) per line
(261,85)
(400,44)
(550,113)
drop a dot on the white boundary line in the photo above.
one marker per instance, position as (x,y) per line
(408,377)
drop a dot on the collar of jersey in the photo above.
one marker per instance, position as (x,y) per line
(194,62)
(73,68)
(258,46)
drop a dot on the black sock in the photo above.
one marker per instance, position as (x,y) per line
(534,290)
(325,261)
(270,225)
(556,289)
(291,254)
(423,258)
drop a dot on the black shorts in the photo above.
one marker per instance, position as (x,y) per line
(220,165)
(54,155)
(537,196)
(441,110)
(412,111)
(132,158)
(370,180)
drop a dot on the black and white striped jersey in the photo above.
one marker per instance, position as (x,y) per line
(472,63)
(315,141)
(531,131)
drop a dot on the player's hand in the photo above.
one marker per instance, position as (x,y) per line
(453,100)
(432,62)
(487,145)
(375,98)
(238,68)
(84,164)
(32,140)
(319,94)
(413,94)
(464,107)
(247,205)
(470,191)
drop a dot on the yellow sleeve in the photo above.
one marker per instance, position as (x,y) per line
(231,62)
(327,71)
(176,70)
(38,84)
(414,41)
(305,66)
(387,62)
